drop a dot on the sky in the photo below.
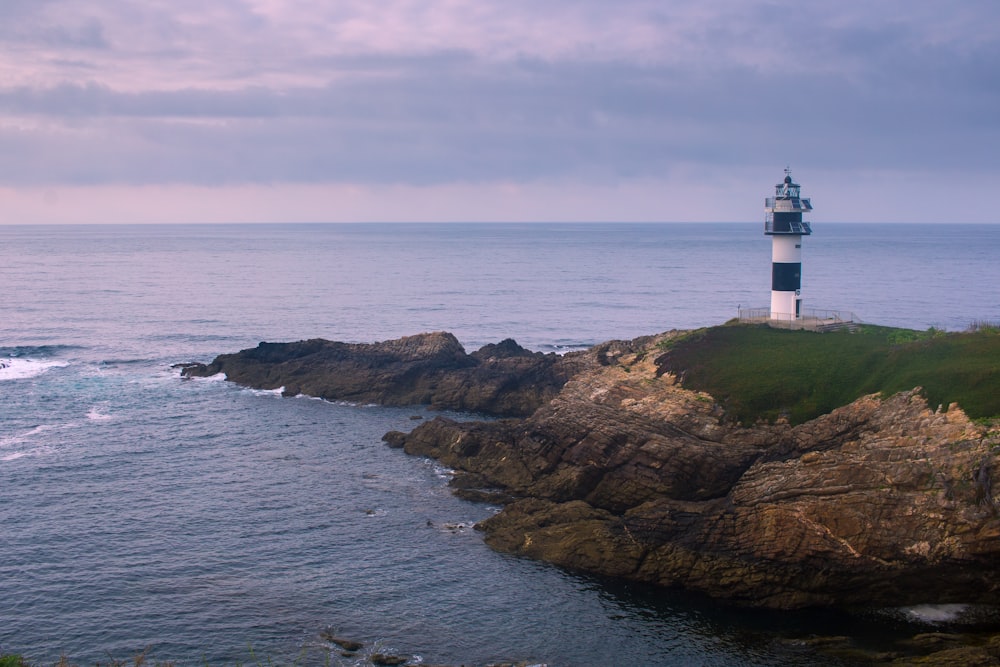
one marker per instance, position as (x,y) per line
(140,111)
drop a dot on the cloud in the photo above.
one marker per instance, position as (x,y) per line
(400,93)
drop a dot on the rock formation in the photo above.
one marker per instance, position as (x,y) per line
(626,473)
(427,369)
(620,470)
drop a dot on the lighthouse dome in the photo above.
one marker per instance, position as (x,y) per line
(788,179)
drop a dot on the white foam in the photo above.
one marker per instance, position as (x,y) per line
(18,438)
(96,415)
(218,377)
(11,445)
(16,368)
(440,471)
(268,392)
(936,613)
(456,527)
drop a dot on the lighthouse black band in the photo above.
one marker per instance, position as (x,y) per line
(786,276)
(783,221)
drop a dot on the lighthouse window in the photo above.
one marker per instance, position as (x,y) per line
(798,245)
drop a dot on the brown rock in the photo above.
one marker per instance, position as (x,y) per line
(348,645)
(625,473)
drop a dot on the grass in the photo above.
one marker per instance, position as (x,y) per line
(757,372)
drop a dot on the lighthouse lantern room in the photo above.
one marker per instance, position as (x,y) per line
(783,223)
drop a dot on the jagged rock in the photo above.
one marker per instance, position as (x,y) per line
(470,486)
(625,473)
(394,439)
(427,369)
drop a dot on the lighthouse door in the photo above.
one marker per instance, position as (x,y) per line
(798,308)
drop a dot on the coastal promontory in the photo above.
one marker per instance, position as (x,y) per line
(430,369)
(619,461)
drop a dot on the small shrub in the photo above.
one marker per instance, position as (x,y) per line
(985,325)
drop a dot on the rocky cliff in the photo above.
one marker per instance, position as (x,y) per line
(884,501)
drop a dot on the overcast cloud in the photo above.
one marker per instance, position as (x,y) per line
(559,110)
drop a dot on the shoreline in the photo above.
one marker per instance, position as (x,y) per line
(622,471)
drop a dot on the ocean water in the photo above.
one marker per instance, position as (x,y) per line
(211,523)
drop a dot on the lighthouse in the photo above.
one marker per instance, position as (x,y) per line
(783,223)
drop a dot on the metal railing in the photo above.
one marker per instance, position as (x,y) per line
(797,204)
(809,319)
(793,227)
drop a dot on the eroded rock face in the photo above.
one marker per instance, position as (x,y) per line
(625,473)
(427,369)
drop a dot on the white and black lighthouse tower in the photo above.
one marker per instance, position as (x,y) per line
(783,223)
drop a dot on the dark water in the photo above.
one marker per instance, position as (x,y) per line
(199,519)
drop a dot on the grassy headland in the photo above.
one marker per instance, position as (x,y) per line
(757,372)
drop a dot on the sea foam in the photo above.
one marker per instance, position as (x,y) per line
(279,392)
(12,446)
(16,368)
(94,414)
(936,613)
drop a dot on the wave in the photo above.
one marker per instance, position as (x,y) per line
(343,404)
(936,613)
(17,368)
(192,338)
(10,445)
(279,392)
(37,350)
(94,414)
(125,362)
(34,441)
(218,377)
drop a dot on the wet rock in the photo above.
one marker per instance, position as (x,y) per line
(394,439)
(387,659)
(476,488)
(486,496)
(348,645)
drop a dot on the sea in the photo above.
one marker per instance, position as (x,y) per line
(199,522)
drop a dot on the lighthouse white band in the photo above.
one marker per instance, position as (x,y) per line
(786,249)
(784,305)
